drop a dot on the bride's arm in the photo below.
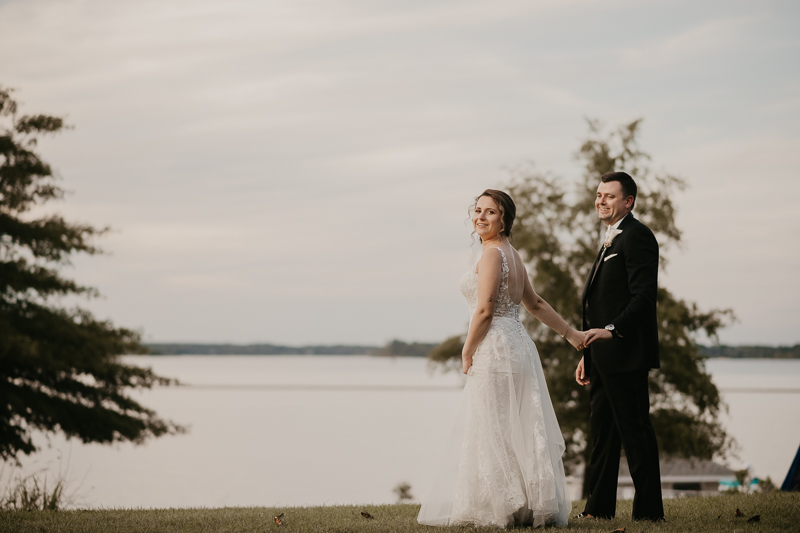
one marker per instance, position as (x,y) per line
(539,308)
(489,270)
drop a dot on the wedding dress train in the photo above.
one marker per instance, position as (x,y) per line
(502,466)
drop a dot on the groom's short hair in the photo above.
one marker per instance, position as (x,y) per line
(625,180)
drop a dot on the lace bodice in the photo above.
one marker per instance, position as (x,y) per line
(504,307)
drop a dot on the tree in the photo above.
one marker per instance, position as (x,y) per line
(558,234)
(59,368)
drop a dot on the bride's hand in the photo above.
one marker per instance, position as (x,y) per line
(576,339)
(466,364)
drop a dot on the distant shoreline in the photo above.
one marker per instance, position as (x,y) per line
(394,348)
(398,348)
(751,352)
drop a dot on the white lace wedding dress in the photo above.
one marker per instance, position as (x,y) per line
(502,466)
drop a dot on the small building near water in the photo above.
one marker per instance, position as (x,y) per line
(680,477)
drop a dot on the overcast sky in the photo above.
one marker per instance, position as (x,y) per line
(299,172)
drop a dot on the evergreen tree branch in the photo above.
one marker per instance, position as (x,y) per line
(60,369)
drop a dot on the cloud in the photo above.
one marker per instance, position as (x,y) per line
(710,37)
(309,164)
(203,282)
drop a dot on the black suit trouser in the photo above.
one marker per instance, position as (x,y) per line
(620,417)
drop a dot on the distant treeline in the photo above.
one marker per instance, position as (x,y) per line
(413,349)
(258,349)
(754,352)
(398,348)
(393,348)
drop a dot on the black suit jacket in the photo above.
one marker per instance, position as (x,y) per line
(623,293)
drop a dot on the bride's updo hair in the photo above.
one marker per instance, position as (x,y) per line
(508,210)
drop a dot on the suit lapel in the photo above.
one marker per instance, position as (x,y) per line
(598,263)
(590,278)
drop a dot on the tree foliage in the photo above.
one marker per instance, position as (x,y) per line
(59,368)
(558,234)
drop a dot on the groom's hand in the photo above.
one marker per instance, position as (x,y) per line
(597,335)
(580,374)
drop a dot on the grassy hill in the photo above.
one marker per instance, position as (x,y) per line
(777,511)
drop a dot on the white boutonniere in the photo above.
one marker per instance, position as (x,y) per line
(611,234)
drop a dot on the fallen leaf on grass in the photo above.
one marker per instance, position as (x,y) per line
(278,519)
(366,514)
(739,514)
(756,518)
(619,530)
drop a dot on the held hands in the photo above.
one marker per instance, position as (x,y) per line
(576,339)
(597,335)
(588,337)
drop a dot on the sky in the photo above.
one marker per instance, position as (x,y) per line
(300,172)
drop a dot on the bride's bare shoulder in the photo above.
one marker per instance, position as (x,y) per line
(491,257)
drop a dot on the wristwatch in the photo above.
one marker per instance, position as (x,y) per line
(613,331)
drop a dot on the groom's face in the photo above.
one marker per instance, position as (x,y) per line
(611,203)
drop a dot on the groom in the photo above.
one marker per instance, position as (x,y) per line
(619,314)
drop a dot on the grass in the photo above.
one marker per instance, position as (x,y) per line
(30,493)
(780,511)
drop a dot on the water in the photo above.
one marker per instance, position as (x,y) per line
(763,397)
(314,430)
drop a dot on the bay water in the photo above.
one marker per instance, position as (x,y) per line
(323,430)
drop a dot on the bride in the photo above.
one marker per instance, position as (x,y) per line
(503,465)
